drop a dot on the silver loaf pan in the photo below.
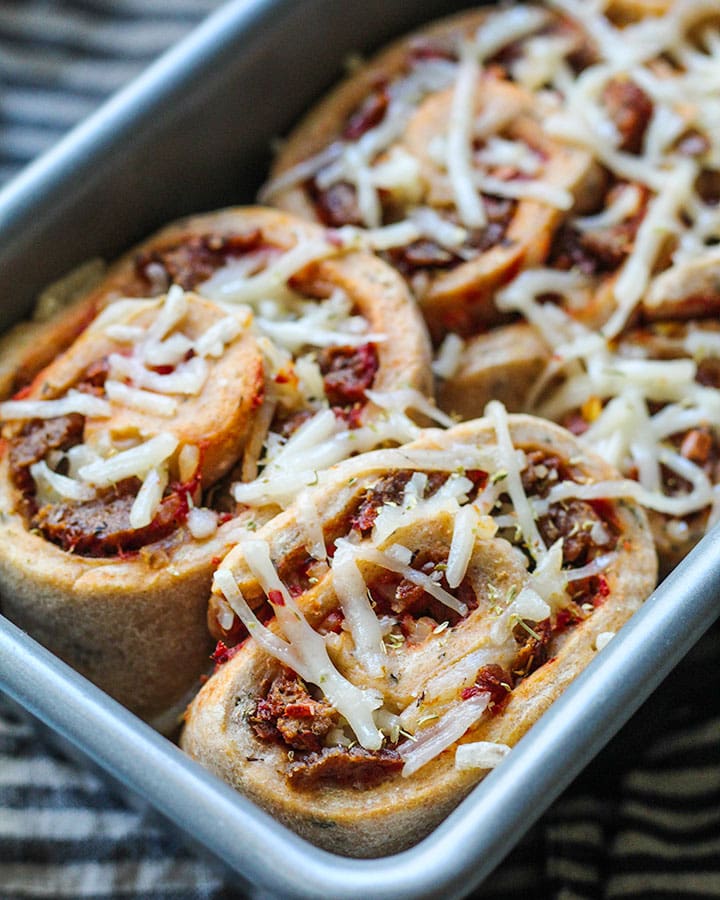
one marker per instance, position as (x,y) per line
(193,134)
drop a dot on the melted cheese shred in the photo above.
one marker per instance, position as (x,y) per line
(303,649)
(626,429)
(431,741)
(497,413)
(660,222)
(311,524)
(459,143)
(129,463)
(148,497)
(51,484)
(352,593)
(506,26)
(139,399)
(700,495)
(172,312)
(463,541)
(73,402)
(481,754)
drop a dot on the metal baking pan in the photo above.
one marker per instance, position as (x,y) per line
(193,134)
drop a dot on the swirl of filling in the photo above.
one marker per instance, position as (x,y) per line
(440,152)
(234,355)
(395,631)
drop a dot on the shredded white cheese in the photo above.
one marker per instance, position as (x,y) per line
(525,516)
(213,341)
(432,740)
(506,26)
(459,143)
(603,639)
(172,312)
(467,520)
(449,356)
(311,523)
(659,223)
(52,483)
(352,593)
(202,523)
(73,402)
(148,498)
(137,461)
(139,399)
(480,755)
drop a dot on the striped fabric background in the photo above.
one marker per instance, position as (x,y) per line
(642,822)
(59,59)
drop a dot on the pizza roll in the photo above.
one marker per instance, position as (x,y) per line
(107,464)
(450,155)
(422,607)
(123,463)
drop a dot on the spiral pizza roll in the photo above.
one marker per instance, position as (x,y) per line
(123,463)
(106,468)
(437,141)
(423,606)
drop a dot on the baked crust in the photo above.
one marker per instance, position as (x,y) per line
(501,364)
(396,813)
